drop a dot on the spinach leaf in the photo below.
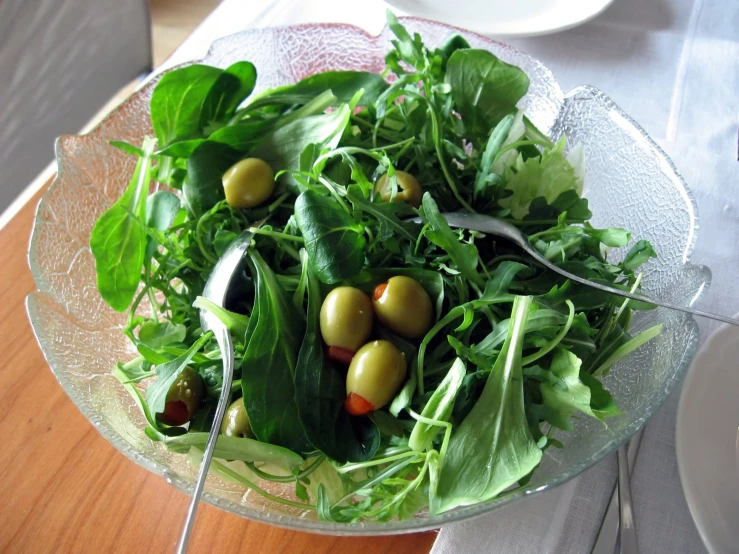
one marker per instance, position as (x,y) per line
(167,374)
(268,369)
(177,102)
(493,447)
(439,407)
(203,187)
(320,390)
(282,148)
(229,90)
(236,323)
(485,89)
(335,243)
(118,239)
(464,256)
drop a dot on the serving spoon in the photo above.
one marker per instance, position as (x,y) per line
(216,290)
(494,226)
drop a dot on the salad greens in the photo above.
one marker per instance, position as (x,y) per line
(514,353)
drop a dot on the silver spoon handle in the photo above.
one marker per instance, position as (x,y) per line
(227,352)
(627,528)
(572,277)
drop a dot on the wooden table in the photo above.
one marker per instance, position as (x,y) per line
(65,489)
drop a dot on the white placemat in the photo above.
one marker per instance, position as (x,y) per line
(673,66)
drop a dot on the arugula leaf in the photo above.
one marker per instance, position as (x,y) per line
(409,49)
(203,187)
(639,254)
(439,407)
(334,242)
(627,348)
(320,390)
(235,448)
(118,239)
(601,402)
(485,176)
(386,213)
(485,89)
(177,102)
(167,374)
(268,368)
(464,256)
(236,323)
(493,447)
(282,148)
(546,176)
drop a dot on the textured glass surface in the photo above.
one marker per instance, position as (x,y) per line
(629,181)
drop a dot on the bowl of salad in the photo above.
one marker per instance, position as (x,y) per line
(392,374)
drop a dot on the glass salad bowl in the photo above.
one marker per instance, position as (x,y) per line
(629,182)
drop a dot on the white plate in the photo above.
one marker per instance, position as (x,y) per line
(707,440)
(506,18)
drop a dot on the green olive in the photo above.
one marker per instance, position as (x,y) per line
(236,421)
(409,189)
(376,373)
(248,183)
(404,306)
(346,318)
(183,398)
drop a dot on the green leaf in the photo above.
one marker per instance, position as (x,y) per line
(274,335)
(167,374)
(118,239)
(320,390)
(439,407)
(464,256)
(156,334)
(601,401)
(236,448)
(236,323)
(386,213)
(547,176)
(343,84)
(335,243)
(485,176)
(627,348)
(203,187)
(493,447)
(177,102)
(573,396)
(485,89)
(162,208)
(230,89)
(409,48)
(282,148)
(639,254)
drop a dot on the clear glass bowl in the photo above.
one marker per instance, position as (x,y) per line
(629,181)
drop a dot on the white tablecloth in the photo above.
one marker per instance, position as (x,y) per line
(673,65)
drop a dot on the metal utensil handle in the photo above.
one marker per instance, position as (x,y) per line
(227,353)
(605,288)
(627,528)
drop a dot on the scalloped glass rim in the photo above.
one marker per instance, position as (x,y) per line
(65,299)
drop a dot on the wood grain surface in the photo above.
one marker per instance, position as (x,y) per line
(65,489)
